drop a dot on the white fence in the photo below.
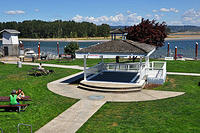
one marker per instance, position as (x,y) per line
(143,71)
(159,69)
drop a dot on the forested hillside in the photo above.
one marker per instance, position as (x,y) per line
(57,29)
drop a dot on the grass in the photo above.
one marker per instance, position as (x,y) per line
(183,66)
(174,115)
(45,105)
(79,62)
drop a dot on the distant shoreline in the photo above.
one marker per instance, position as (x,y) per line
(71,40)
(95,40)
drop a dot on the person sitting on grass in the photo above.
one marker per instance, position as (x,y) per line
(13,98)
(20,94)
(40,67)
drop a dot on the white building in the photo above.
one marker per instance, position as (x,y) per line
(10,42)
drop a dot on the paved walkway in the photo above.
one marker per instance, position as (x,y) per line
(184,74)
(48,65)
(73,118)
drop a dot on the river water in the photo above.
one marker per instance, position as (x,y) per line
(185,47)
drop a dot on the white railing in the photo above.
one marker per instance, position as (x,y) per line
(160,69)
(142,70)
(94,70)
(130,67)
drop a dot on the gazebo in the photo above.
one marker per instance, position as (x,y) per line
(118,76)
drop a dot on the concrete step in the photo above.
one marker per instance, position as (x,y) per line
(114,90)
(112,85)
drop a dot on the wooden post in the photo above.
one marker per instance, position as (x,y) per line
(196,51)
(175,57)
(58,48)
(85,76)
(168,50)
(38,50)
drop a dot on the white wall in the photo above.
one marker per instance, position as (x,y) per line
(10,38)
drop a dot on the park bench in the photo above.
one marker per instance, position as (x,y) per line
(7,99)
(18,108)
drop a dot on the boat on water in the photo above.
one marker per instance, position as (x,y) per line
(28,52)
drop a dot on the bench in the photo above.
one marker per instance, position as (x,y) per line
(17,107)
(7,99)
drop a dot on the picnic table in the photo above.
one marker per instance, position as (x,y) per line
(18,107)
(7,99)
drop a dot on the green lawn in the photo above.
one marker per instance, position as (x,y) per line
(183,66)
(79,62)
(45,105)
(174,115)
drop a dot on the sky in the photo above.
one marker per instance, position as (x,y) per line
(112,12)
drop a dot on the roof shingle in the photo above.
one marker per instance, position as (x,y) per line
(118,47)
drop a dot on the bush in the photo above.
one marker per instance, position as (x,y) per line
(71,48)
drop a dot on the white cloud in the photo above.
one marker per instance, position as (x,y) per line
(164,10)
(37,10)
(14,12)
(167,10)
(149,15)
(157,17)
(174,10)
(154,10)
(175,23)
(77,18)
(191,16)
(118,19)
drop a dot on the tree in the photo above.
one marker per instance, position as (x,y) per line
(71,48)
(148,32)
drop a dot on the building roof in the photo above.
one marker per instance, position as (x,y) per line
(118,31)
(126,47)
(11,31)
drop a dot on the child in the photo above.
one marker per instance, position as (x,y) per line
(20,94)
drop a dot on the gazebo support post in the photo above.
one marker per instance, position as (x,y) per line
(146,61)
(85,76)
(140,64)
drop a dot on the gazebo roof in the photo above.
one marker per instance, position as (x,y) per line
(118,31)
(10,31)
(118,47)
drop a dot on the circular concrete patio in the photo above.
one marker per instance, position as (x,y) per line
(73,91)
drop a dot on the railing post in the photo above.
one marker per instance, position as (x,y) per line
(85,73)
(24,125)
(1,130)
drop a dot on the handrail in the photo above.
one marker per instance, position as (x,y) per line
(23,125)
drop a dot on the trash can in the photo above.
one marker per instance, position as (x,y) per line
(19,64)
